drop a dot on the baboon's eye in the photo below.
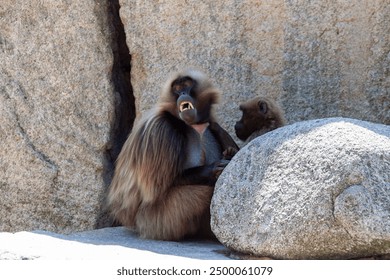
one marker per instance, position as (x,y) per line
(177,88)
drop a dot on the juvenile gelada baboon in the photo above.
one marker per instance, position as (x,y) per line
(166,171)
(259,115)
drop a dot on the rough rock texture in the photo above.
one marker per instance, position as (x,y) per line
(57,111)
(63,98)
(319,58)
(103,244)
(314,189)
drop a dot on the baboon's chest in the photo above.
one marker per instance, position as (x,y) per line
(202,149)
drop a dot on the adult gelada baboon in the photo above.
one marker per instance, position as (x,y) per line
(259,115)
(167,169)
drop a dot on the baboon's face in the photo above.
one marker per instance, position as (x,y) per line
(192,106)
(254,115)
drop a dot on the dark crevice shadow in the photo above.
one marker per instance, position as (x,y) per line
(124,114)
(120,77)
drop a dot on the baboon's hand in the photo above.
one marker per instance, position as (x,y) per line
(219,166)
(229,153)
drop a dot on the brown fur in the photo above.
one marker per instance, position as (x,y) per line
(143,194)
(259,116)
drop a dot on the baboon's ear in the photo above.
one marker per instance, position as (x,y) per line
(263,107)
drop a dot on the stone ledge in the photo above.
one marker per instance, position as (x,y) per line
(107,243)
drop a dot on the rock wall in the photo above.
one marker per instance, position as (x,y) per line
(58,109)
(318,58)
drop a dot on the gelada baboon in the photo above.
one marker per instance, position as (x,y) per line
(167,169)
(259,115)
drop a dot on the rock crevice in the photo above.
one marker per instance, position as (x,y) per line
(120,77)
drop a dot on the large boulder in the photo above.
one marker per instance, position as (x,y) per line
(57,109)
(319,58)
(312,190)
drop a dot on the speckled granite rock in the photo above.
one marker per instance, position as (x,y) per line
(57,105)
(312,190)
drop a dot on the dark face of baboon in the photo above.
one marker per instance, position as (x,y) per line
(183,90)
(258,114)
(192,105)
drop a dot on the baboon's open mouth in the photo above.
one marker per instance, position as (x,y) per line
(185,105)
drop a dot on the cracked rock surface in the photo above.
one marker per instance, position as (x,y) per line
(316,189)
(57,109)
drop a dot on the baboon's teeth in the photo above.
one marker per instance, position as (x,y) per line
(186,106)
